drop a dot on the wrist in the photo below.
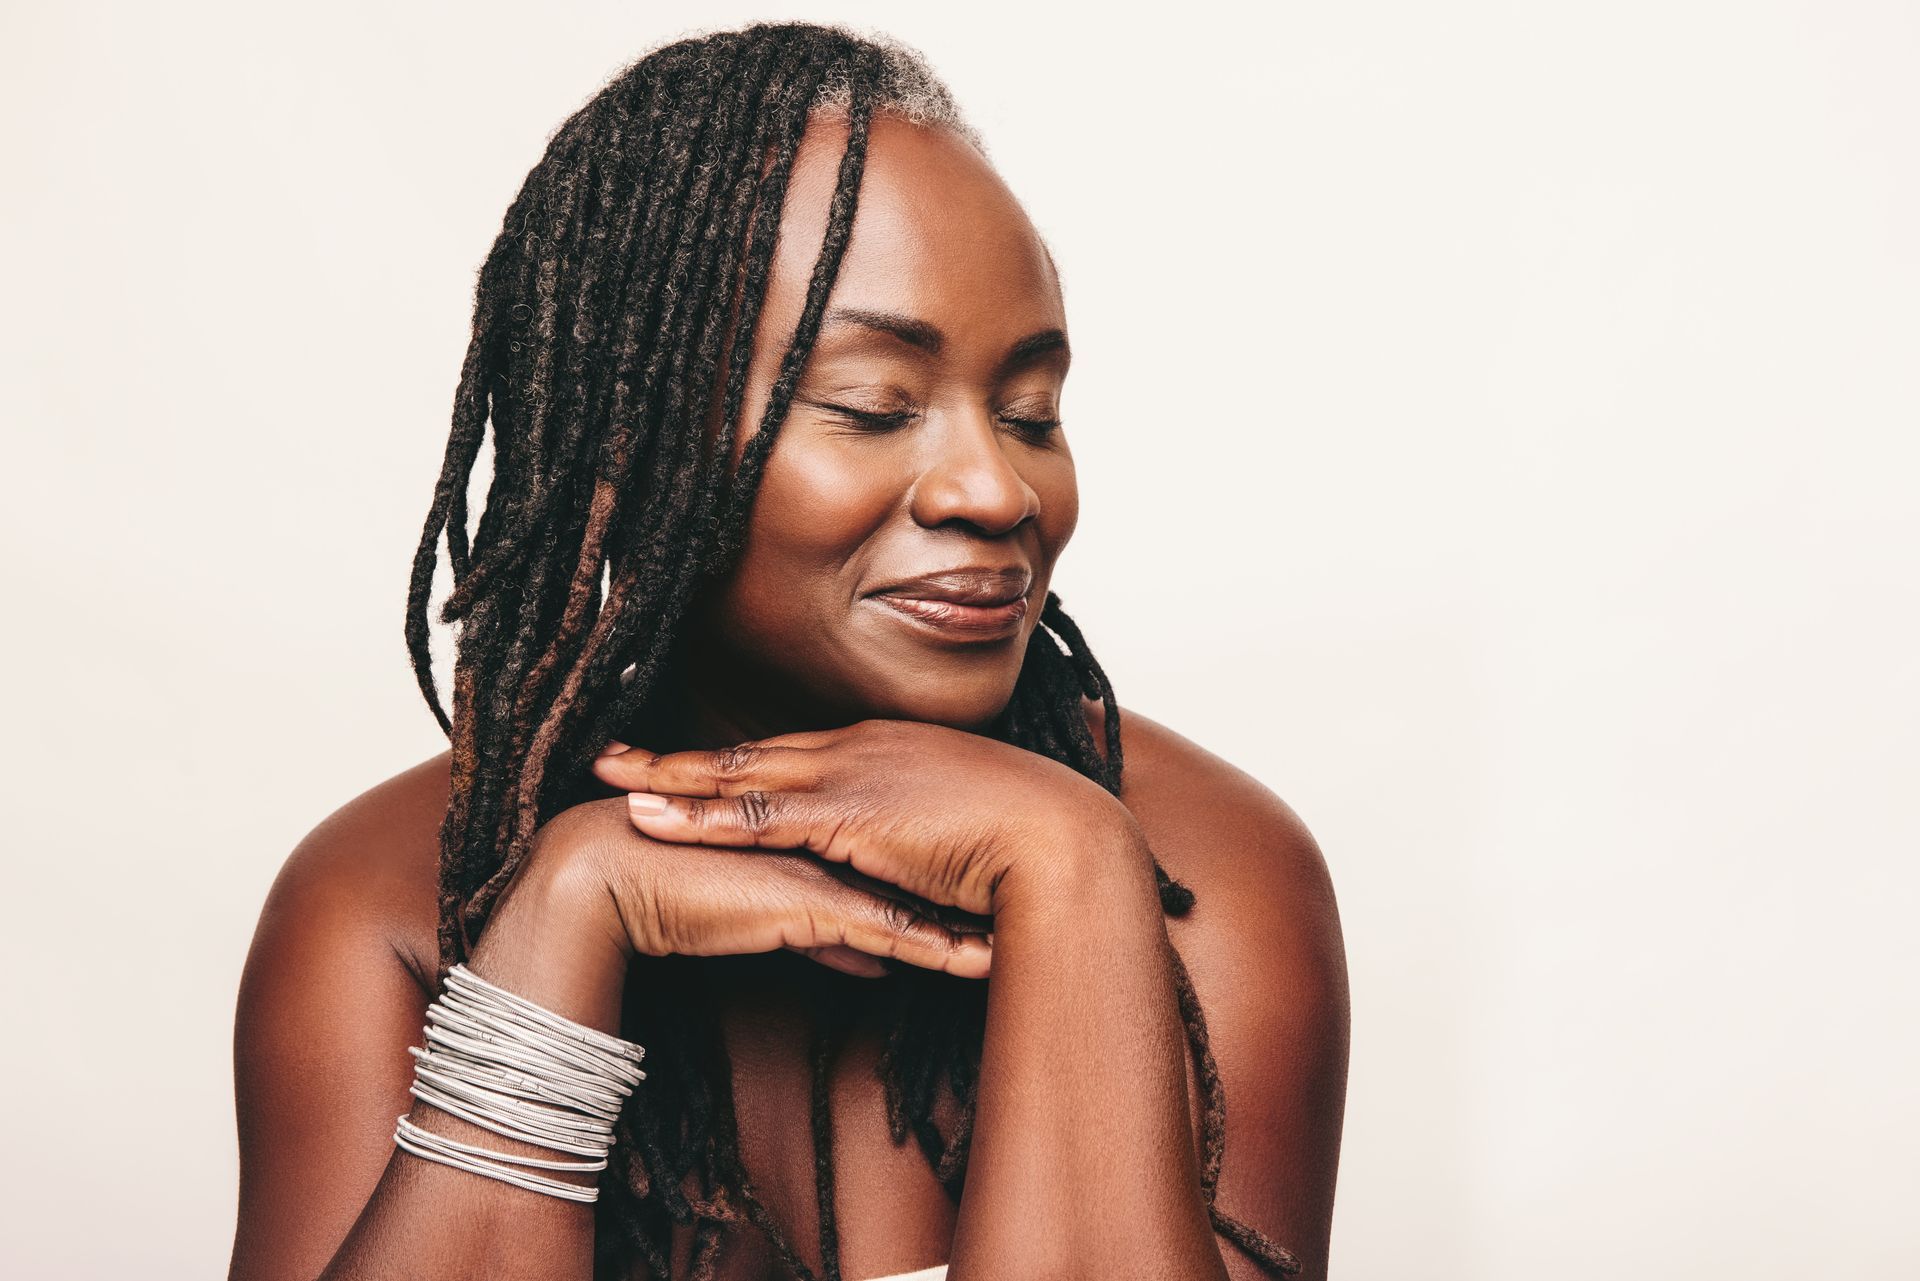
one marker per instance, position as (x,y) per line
(555,938)
(1104,863)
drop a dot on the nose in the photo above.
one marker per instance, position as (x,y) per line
(971,479)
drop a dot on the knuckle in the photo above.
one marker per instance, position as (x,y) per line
(900,919)
(755,811)
(893,916)
(730,764)
(654,925)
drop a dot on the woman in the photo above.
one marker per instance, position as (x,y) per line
(765,758)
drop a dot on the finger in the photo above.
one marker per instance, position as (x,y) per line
(813,907)
(765,820)
(886,927)
(615,747)
(788,762)
(956,919)
(847,960)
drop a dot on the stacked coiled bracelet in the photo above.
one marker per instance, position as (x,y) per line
(502,1063)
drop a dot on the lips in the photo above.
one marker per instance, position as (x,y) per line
(973,602)
(972,585)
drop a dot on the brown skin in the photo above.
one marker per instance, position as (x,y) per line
(845,507)
(792,645)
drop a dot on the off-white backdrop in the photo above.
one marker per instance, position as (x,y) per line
(1497,433)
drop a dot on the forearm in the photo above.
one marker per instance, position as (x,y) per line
(426,1221)
(1083,1158)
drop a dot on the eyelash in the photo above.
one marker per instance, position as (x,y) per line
(1037,429)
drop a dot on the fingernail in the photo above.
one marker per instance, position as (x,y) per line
(646,803)
(614,747)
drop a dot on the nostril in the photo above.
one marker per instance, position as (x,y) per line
(993,502)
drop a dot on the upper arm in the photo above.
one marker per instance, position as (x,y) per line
(1264,947)
(1275,988)
(328,1005)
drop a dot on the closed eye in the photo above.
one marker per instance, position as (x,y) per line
(867,420)
(1037,428)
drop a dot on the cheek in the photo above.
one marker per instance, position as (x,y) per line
(817,505)
(820,506)
(816,511)
(1059,492)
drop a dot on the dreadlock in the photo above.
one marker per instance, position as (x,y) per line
(616,309)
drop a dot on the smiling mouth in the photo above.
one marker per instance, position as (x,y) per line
(955,619)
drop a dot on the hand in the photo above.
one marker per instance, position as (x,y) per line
(658,898)
(952,817)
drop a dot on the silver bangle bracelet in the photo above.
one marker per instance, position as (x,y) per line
(500,1062)
(505,1174)
(453,1107)
(421,1134)
(508,1058)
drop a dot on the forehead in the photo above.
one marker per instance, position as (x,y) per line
(936,235)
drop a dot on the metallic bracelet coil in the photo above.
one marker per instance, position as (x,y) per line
(500,1062)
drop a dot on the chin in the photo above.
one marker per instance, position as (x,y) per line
(959,705)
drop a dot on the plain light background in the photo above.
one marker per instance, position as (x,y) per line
(1496,428)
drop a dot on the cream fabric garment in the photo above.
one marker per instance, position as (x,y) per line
(938,1272)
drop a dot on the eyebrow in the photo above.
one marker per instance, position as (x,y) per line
(928,338)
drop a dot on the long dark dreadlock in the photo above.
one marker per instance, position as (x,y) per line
(616,308)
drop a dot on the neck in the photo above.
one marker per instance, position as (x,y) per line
(709,699)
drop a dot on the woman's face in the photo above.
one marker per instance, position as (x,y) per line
(921,441)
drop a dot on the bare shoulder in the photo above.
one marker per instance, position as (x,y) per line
(1264,896)
(334,991)
(369,870)
(1217,828)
